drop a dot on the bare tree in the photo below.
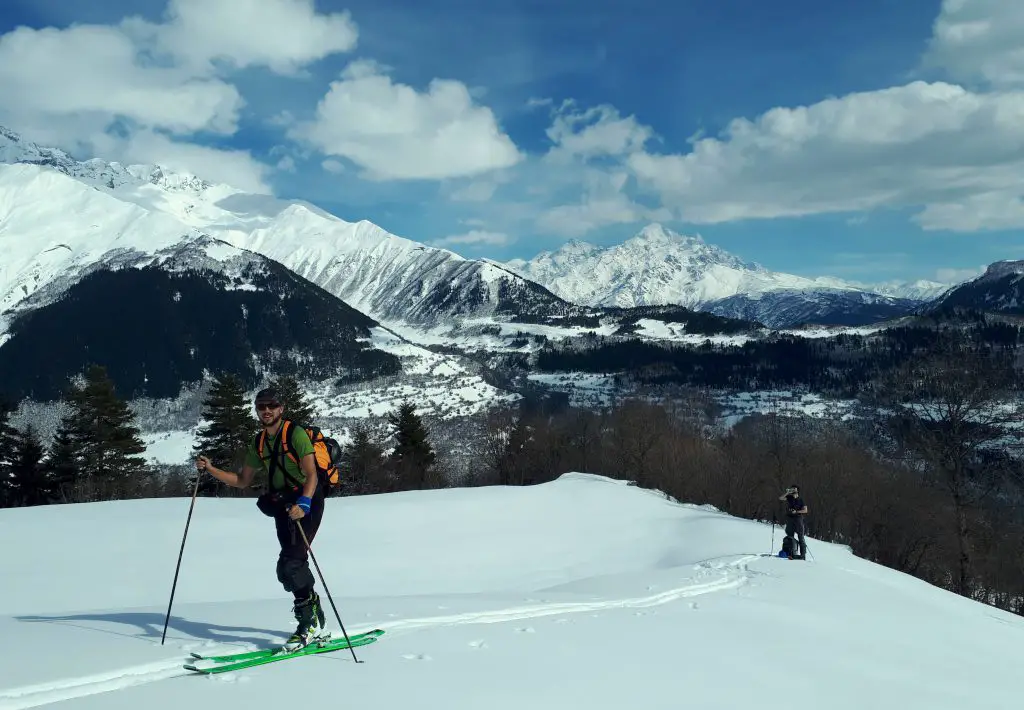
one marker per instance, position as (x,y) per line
(951,412)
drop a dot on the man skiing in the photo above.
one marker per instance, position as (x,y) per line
(796,510)
(294,498)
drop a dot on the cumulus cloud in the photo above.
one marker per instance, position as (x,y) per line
(979,41)
(282,35)
(603,202)
(594,132)
(395,132)
(231,167)
(921,144)
(94,71)
(955,276)
(475,237)
(953,152)
(142,88)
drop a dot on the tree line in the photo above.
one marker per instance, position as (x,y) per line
(97,452)
(928,480)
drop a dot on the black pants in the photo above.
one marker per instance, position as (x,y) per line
(292,564)
(795,527)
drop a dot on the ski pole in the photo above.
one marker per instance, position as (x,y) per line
(773,534)
(195,491)
(327,591)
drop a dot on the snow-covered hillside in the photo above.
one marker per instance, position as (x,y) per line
(387,277)
(581,593)
(659,266)
(1000,289)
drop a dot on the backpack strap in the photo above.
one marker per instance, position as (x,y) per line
(285,438)
(289,446)
(273,458)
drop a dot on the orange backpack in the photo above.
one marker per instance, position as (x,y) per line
(326,453)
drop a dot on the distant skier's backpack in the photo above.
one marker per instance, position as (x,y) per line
(789,546)
(326,453)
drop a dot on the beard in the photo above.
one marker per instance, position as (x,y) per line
(271,423)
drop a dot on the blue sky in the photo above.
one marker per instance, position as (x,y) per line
(871,140)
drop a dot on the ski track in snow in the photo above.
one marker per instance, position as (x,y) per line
(733,574)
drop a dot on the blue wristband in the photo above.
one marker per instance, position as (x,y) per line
(303,502)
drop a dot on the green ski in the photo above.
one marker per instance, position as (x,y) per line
(246,655)
(272,656)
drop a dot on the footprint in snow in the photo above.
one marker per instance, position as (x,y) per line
(417,657)
(526,630)
(478,644)
(693,605)
(561,621)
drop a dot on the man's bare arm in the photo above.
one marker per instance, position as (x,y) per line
(308,464)
(235,480)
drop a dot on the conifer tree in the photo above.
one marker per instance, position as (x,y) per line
(362,464)
(296,407)
(7,491)
(62,462)
(103,435)
(230,427)
(413,455)
(30,480)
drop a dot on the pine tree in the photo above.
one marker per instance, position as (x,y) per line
(413,455)
(31,483)
(230,427)
(104,438)
(296,407)
(7,438)
(62,462)
(362,464)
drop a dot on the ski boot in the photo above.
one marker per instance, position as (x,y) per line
(312,620)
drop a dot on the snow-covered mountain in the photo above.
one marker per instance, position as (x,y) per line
(999,289)
(659,266)
(385,276)
(157,304)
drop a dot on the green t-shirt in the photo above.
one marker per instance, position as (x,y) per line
(301,446)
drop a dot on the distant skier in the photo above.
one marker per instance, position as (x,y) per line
(795,526)
(293,495)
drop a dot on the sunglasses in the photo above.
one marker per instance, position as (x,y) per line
(260,406)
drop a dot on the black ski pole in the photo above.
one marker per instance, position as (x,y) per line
(774,522)
(195,491)
(327,591)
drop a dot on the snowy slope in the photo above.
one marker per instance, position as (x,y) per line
(999,289)
(54,228)
(387,277)
(582,593)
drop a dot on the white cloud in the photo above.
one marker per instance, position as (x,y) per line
(333,166)
(159,83)
(979,40)
(999,209)
(922,144)
(598,131)
(954,153)
(92,71)
(475,237)
(394,132)
(283,35)
(603,202)
(954,276)
(236,168)
(477,191)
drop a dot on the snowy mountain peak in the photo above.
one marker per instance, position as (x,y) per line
(98,173)
(999,269)
(657,266)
